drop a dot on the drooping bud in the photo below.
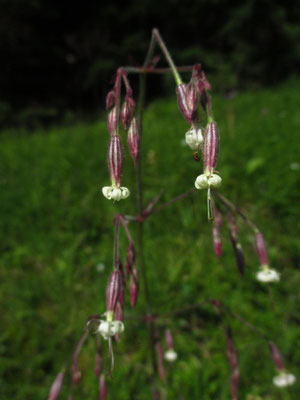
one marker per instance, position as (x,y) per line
(192,99)
(133,140)
(130,258)
(232,357)
(134,287)
(200,79)
(127,111)
(261,249)
(237,247)
(102,388)
(276,356)
(110,99)
(181,91)
(210,148)
(115,159)
(169,339)
(113,291)
(112,121)
(56,386)
(160,356)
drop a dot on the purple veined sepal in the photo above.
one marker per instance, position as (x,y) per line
(181,91)
(113,290)
(112,121)
(134,287)
(115,159)
(127,111)
(276,356)
(210,148)
(192,99)
(56,386)
(110,99)
(261,249)
(133,138)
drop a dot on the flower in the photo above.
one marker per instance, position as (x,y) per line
(284,379)
(194,138)
(170,355)
(267,274)
(204,182)
(115,193)
(110,328)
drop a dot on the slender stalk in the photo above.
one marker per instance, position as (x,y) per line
(164,49)
(233,208)
(177,198)
(152,70)
(123,222)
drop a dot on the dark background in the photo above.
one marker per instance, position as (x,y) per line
(58,57)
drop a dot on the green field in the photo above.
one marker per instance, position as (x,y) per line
(57,229)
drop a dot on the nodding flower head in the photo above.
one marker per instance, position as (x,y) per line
(194,137)
(115,193)
(204,182)
(284,379)
(108,328)
(266,274)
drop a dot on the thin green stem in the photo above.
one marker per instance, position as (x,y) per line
(166,53)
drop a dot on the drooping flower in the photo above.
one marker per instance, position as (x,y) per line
(284,379)
(194,137)
(204,182)
(109,328)
(267,274)
(115,193)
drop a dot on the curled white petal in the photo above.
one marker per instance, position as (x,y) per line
(115,193)
(110,328)
(194,138)
(171,355)
(268,275)
(201,182)
(284,379)
(214,181)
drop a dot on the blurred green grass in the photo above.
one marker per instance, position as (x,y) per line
(57,232)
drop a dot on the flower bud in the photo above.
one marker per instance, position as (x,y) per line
(133,140)
(261,249)
(127,111)
(210,148)
(110,99)
(276,356)
(113,291)
(182,102)
(134,287)
(56,386)
(102,388)
(130,258)
(169,339)
(192,99)
(112,121)
(115,159)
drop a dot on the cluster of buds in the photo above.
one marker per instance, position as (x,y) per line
(266,274)
(284,378)
(117,192)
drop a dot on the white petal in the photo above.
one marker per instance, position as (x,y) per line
(284,379)
(201,182)
(215,181)
(170,355)
(268,275)
(125,192)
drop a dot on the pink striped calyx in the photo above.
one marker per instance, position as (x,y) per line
(110,99)
(181,91)
(127,111)
(261,249)
(113,291)
(134,287)
(210,148)
(112,121)
(276,356)
(192,99)
(133,140)
(115,159)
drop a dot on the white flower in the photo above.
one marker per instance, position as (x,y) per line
(267,275)
(115,193)
(170,355)
(194,138)
(284,379)
(110,328)
(203,182)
